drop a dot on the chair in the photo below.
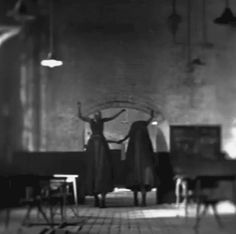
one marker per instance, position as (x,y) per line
(56,197)
(71,180)
(50,197)
(33,199)
(207,196)
(184,191)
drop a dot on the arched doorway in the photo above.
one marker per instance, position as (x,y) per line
(119,127)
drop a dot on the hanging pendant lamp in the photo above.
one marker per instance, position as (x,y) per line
(227,16)
(51,61)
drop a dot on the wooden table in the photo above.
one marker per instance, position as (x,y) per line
(198,171)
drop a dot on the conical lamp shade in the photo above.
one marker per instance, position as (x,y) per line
(226,18)
(51,61)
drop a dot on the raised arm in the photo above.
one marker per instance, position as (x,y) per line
(127,136)
(113,117)
(86,119)
(151,117)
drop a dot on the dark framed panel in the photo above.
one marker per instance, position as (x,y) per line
(195,141)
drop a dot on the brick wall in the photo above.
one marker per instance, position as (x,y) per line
(122,54)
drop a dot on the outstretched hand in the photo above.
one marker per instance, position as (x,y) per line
(119,142)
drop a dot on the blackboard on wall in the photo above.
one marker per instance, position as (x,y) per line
(195,141)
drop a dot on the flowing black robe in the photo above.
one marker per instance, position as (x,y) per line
(140,161)
(99,175)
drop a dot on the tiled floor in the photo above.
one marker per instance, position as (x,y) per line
(121,217)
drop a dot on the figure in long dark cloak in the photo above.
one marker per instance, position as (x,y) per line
(99,176)
(140,160)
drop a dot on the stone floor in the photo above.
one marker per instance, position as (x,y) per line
(121,217)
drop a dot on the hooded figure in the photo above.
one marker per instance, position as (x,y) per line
(140,160)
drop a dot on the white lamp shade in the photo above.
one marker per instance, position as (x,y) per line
(51,62)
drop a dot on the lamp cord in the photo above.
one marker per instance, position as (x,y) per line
(227,3)
(189,54)
(174,6)
(204,25)
(51,28)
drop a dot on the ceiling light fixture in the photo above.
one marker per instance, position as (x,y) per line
(227,16)
(51,61)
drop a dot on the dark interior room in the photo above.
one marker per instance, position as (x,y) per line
(117,116)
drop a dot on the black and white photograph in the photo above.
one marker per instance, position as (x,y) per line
(117,116)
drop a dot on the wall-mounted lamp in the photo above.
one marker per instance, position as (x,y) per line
(51,61)
(154,123)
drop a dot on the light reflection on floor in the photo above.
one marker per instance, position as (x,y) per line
(160,211)
(223,208)
(164,218)
(171,210)
(152,213)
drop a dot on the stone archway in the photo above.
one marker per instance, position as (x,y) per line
(141,105)
(137,104)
